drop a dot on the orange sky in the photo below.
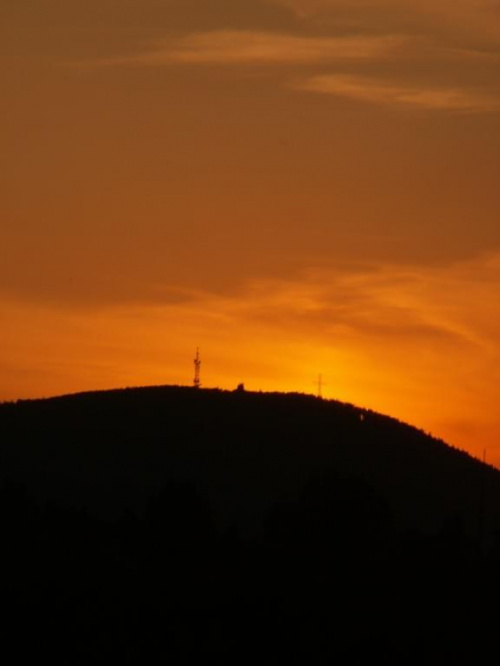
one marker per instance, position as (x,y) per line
(296,186)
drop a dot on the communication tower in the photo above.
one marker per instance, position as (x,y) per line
(320,383)
(197,366)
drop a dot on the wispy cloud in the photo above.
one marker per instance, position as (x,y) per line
(478,16)
(249,47)
(387,92)
(246,46)
(385,302)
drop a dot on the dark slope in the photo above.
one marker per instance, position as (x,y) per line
(244,451)
(265,528)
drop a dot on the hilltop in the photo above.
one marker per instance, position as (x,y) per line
(245,451)
(174,523)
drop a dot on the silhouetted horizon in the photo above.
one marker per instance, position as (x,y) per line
(135,510)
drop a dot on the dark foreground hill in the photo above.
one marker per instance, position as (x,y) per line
(110,451)
(200,523)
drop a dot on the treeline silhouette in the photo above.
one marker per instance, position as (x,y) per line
(169,584)
(178,524)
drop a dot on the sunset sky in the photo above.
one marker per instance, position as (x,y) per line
(295,186)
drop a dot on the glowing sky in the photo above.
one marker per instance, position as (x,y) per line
(296,186)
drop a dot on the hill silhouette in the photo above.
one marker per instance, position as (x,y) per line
(141,511)
(107,451)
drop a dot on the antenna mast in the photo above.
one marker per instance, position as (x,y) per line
(320,383)
(197,366)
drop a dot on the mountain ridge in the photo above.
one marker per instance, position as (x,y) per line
(246,450)
(179,521)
